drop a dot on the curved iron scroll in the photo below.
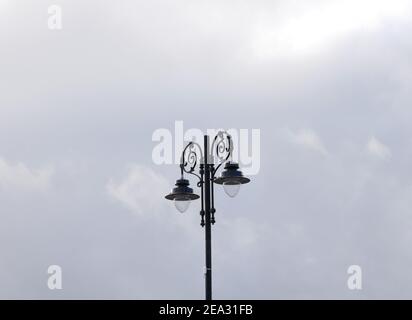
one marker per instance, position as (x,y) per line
(222,148)
(190,159)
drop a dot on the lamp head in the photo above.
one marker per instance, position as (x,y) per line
(231,179)
(182,194)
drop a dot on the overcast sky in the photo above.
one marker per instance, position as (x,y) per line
(327,82)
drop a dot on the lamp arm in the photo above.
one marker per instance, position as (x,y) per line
(222,147)
(189,160)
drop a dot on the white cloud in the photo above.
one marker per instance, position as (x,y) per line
(377,148)
(308,139)
(20,176)
(3,3)
(141,191)
(318,26)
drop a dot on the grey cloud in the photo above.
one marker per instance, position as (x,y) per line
(88,98)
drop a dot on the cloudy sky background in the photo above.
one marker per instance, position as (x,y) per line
(328,84)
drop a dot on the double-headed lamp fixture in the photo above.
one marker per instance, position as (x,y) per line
(200,162)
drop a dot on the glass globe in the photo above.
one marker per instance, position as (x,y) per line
(182,204)
(231,188)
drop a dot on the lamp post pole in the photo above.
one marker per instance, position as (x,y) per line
(208,226)
(231,179)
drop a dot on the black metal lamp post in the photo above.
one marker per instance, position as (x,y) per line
(231,179)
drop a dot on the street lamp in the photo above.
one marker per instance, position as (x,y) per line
(182,194)
(194,158)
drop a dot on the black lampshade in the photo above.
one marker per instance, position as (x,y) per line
(182,192)
(231,175)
